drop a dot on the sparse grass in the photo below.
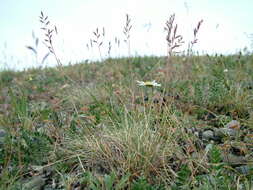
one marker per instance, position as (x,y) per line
(101,124)
(90,126)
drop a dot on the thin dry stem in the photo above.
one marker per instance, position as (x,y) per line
(195,39)
(98,40)
(49,31)
(126,31)
(174,40)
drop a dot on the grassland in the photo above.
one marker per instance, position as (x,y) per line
(90,126)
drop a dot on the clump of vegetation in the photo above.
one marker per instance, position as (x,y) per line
(93,126)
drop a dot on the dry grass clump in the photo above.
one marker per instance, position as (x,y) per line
(138,146)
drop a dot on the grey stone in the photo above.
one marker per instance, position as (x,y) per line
(208,135)
(49,188)
(233,159)
(245,170)
(2,133)
(36,183)
(2,136)
(233,125)
(196,133)
(248,139)
(223,132)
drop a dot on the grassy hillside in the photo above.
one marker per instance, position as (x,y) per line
(91,126)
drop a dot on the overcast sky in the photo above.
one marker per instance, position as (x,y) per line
(224,29)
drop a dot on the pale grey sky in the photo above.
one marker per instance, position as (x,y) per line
(223,30)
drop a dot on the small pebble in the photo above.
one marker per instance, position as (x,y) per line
(208,135)
(233,125)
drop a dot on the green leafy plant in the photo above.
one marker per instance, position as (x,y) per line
(108,182)
(183,178)
(218,176)
(142,184)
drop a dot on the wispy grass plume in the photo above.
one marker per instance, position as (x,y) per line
(49,31)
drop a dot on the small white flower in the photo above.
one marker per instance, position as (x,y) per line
(148,83)
(225,70)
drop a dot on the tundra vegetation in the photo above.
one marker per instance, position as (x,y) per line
(186,124)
